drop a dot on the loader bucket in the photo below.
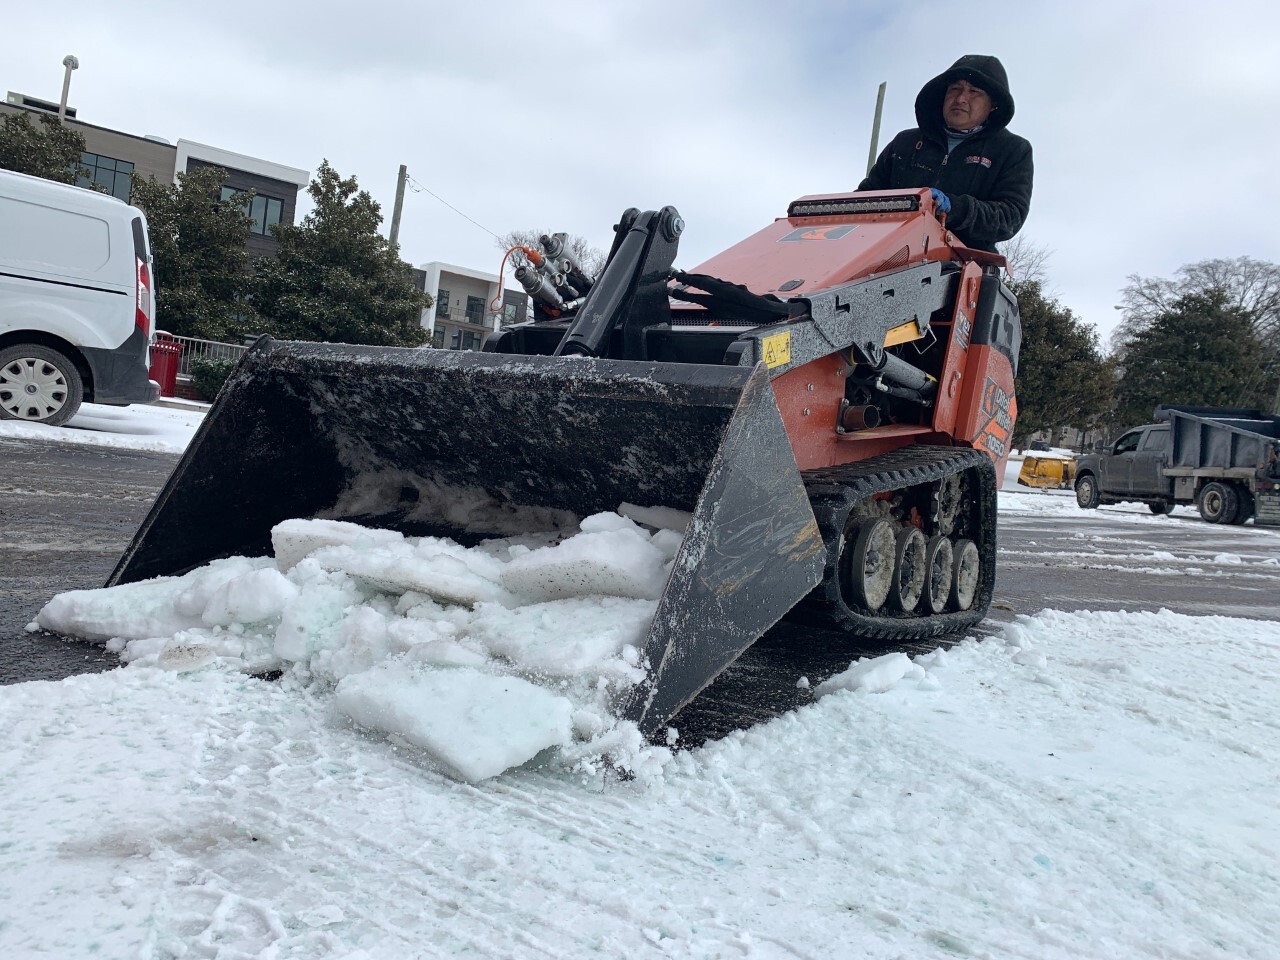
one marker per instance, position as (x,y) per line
(474,445)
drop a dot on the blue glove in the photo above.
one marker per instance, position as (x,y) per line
(941,202)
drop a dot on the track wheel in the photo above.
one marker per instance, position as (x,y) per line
(908,569)
(966,575)
(939,571)
(869,570)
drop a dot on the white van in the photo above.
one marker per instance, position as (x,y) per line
(76,300)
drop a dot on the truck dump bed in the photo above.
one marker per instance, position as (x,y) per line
(1227,439)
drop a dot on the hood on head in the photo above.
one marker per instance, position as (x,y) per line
(984,72)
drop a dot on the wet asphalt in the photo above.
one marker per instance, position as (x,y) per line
(66,514)
(69,511)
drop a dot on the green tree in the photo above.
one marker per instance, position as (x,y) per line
(1246,284)
(50,150)
(203,280)
(335,278)
(1202,349)
(1063,378)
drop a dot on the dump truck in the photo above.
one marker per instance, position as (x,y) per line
(1225,461)
(829,400)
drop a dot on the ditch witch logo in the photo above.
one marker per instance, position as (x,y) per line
(996,407)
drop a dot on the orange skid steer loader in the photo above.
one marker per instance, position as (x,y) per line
(831,399)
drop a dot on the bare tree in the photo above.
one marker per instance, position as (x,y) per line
(1249,285)
(1028,261)
(590,258)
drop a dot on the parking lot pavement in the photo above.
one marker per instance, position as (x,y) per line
(73,509)
(69,513)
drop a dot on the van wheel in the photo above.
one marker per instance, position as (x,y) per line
(1218,502)
(38,384)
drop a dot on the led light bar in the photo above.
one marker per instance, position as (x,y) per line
(847,205)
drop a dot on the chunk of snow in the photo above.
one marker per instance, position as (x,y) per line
(534,637)
(249,598)
(615,562)
(872,676)
(292,540)
(473,723)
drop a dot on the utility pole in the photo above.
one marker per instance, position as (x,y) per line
(395,214)
(875,127)
(71,63)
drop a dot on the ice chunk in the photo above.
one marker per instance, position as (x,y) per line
(566,638)
(249,598)
(613,562)
(294,539)
(437,568)
(872,676)
(475,724)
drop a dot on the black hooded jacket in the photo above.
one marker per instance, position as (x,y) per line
(987,178)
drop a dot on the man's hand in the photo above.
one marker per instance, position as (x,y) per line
(941,202)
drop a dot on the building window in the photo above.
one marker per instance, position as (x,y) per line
(265,211)
(442,304)
(115,176)
(437,337)
(475,310)
(464,340)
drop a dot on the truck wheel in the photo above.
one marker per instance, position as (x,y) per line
(1087,492)
(1245,510)
(1161,508)
(1218,502)
(38,384)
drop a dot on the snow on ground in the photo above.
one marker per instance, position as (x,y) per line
(1086,785)
(434,775)
(153,427)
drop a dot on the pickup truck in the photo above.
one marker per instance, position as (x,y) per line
(1225,461)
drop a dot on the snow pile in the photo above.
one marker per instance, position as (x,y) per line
(483,657)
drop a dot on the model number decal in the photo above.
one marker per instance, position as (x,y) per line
(776,349)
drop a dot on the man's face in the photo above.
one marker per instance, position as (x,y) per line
(965,106)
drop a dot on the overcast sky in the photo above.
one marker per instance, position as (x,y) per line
(1152,123)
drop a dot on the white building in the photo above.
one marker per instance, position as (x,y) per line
(463,315)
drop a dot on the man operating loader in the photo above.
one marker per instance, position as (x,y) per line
(980,173)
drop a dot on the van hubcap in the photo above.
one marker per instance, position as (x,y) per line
(32,388)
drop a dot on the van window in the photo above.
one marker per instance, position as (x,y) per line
(59,240)
(140,241)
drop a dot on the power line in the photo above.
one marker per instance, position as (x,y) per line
(416,187)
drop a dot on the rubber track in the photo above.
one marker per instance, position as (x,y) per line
(834,492)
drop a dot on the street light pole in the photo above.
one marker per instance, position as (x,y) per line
(71,63)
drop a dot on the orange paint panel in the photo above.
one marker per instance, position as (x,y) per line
(989,405)
(957,334)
